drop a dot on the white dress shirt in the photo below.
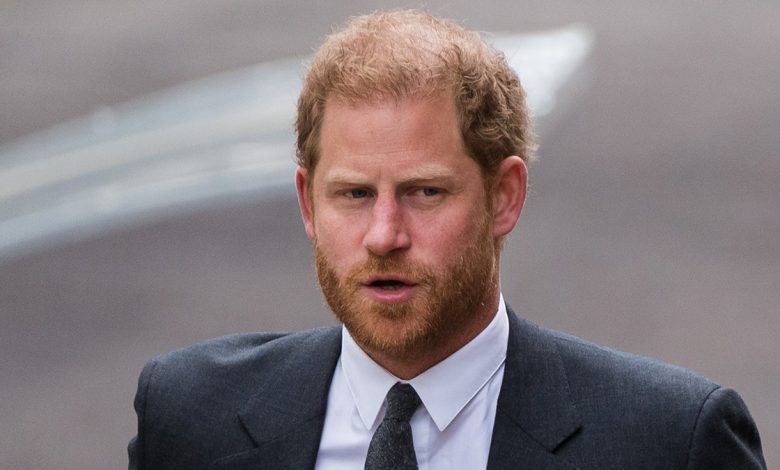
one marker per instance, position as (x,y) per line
(454,425)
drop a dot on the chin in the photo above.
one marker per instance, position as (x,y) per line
(393,332)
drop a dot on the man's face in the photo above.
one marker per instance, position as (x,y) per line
(403,235)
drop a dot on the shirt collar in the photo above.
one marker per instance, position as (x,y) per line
(464,372)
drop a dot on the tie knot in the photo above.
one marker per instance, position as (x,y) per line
(402,402)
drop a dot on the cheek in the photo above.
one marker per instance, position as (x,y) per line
(460,233)
(444,236)
(337,239)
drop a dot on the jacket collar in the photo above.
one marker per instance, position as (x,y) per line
(535,412)
(285,417)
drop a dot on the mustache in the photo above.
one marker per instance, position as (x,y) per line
(417,272)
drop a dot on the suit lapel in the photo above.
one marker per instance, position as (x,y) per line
(535,413)
(286,417)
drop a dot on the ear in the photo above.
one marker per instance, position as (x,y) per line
(302,185)
(509,194)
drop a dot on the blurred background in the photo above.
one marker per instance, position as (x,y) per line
(652,225)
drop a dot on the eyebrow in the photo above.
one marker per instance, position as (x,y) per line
(343,176)
(422,175)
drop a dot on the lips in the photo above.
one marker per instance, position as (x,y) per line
(389,283)
(390,288)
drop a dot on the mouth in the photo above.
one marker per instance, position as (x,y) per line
(389,283)
(388,289)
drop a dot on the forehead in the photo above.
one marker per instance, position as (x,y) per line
(424,129)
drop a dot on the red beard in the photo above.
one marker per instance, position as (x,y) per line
(447,300)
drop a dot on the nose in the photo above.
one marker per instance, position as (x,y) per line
(386,232)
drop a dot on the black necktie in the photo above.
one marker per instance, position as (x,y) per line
(392,446)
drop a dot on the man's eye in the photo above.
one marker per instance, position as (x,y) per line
(430,191)
(357,193)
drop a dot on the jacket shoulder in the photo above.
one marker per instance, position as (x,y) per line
(232,354)
(651,410)
(185,395)
(591,367)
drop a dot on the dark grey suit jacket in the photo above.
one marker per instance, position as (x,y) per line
(257,401)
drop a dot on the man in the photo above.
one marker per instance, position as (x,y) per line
(413,138)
